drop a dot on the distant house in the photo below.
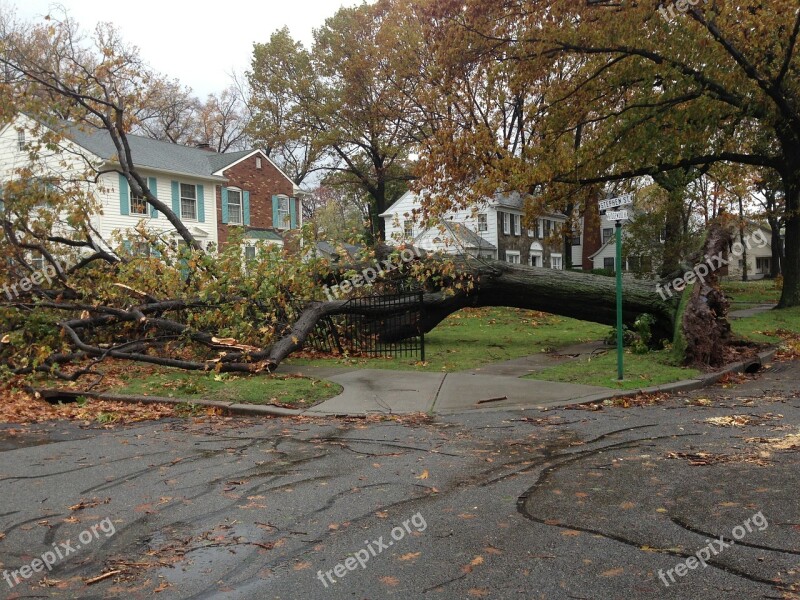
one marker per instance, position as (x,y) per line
(492,228)
(210,192)
(757,247)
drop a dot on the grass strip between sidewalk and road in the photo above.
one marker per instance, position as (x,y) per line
(289,390)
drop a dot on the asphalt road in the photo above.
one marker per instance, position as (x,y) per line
(572,504)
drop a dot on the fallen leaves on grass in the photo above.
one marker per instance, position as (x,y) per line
(21,407)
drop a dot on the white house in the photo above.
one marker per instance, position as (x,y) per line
(491,228)
(179,176)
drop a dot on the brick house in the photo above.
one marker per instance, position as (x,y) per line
(211,193)
(492,228)
(257,196)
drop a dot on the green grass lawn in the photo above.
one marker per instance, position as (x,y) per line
(763,327)
(474,337)
(763,291)
(641,370)
(299,392)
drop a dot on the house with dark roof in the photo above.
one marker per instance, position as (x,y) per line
(491,228)
(212,193)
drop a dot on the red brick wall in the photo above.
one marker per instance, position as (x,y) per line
(262,184)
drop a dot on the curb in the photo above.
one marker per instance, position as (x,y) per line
(231,407)
(687,385)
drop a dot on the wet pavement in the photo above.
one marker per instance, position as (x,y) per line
(560,503)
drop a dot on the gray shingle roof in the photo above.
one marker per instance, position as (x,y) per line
(220,161)
(156,154)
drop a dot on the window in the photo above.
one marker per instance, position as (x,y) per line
(506,223)
(21,145)
(258,162)
(534,233)
(512,257)
(547,227)
(138,205)
(483,222)
(234,207)
(408,229)
(763,264)
(555,262)
(608,232)
(283,212)
(608,263)
(576,239)
(188,201)
(516,221)
(249,253)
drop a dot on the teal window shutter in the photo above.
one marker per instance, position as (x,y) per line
(201,205)
(246,207)
(223,199)
(124,196)
(176,198)
(292,213)
(275,219)
(128,246)
(152,183)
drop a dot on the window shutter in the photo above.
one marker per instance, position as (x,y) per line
(292,213)
(128,246)
(201,205)
(246,208)
(152,183)
(275,219)
(176,198)
(124,196)
(223,199)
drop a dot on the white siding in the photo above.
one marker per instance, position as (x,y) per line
(434,238)
(112,218)
(70,164)
(756,250)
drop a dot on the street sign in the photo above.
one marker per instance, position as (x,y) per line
(615,202)
(617,215)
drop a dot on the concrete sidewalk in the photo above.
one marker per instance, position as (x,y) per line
(379,391)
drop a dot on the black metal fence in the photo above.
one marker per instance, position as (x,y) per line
(381,325)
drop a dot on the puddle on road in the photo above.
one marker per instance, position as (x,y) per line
(212,556)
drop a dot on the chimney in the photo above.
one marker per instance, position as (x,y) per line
(204,146)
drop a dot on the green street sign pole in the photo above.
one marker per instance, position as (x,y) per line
(620,349)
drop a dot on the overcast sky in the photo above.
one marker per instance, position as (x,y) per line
(198,45)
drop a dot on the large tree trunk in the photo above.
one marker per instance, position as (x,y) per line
(579,295)
(705,325)
(790,295)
